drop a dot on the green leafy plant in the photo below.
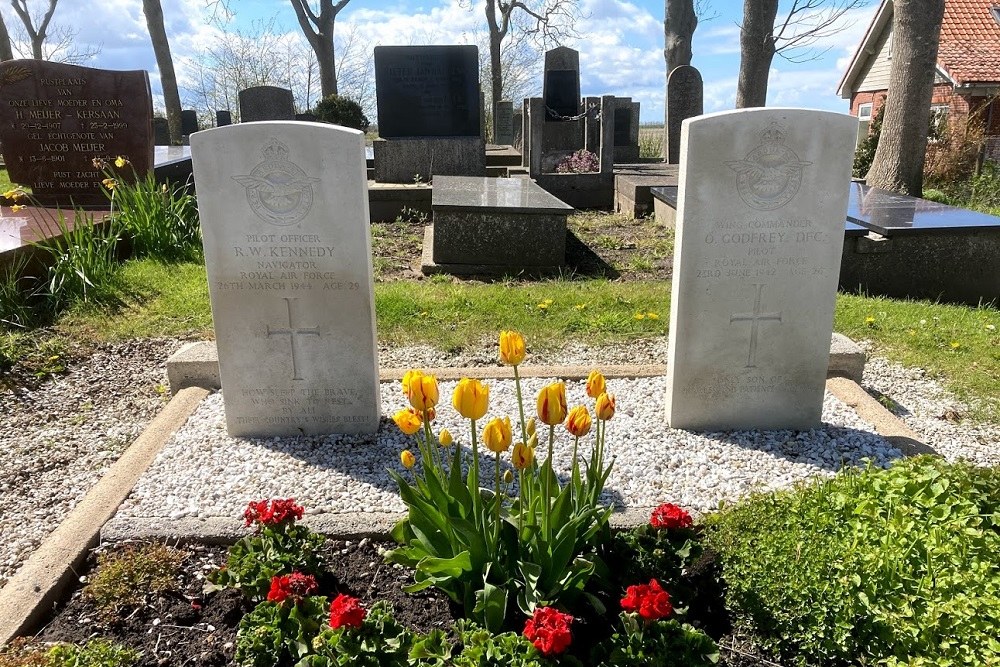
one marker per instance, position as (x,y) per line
(95,653)
(380,641)
(865,152)
(274,632)
(482,648)
(650,142)
(16,292)
(892,566)
(663,642)
(278,546)
(131,577)
(341,110)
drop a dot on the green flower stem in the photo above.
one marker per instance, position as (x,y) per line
(521,500)
(520,405)
(474,474)
(429,455)
(496,501)
(546,523)
(576,466)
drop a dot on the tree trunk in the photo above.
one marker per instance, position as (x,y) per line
(321,38)
(898,164)
(756,52)
(679,24)
(496,35)
(6,52)
(168,79)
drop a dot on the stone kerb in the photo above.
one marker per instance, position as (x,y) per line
(760,229)
(284,214)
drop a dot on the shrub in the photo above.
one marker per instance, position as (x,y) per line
(892,566)
(650,143)
(953,155)
(341,110)
(580,162)
(664,642)
(865,152)
(133,576)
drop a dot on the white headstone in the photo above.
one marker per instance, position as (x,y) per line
(284,215)
(760,231)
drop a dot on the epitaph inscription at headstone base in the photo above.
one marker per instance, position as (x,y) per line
(760,231)
(685,95)
(56,118)
(284,215)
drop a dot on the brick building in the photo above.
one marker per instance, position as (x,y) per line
(967,76)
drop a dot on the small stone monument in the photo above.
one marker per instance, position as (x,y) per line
(684,100)
(189,122)
(266,103)
(503,123)
(223,117)
(161,131)
(760,231)
(284,215)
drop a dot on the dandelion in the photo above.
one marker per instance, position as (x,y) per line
(549,301)
(580,306)
(640,316)
(870,321)
(543,306)
(652,316)
(955,345)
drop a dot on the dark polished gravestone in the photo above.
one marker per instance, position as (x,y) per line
(494,226)
(685,99)
(161,131)
(266,103)
(189,122)
(223,118)
(56,118)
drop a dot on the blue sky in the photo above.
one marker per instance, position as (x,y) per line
(621,43)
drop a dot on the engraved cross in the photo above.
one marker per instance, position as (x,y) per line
(292,332)
(755,318)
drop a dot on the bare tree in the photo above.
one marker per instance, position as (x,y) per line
(318,30)
(6,52)
(61,45)
(793,38)
(36,25)
(899,159)
(546,21)
(165,63)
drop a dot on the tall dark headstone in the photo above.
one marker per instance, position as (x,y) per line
(561,83)
(56,118)
(517,123)
(684,100)
(427,91)
(161,131)
(266,103)
(223,118)
(189,122)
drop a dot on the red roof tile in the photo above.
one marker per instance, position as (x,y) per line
(970,41)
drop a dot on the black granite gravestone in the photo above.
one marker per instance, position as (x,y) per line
(623,126)
(223,118)
(427,91)
(161,131)
(266,103)
(189,121)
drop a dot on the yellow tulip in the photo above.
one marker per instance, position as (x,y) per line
(552,403)
(497,435)
(471,398)
(445,438)
(530,428)
(407,458)
(408,421)
(408,377)
(511,348)
(605,407)
(422,390)
(595,384)
(522,456)
(578,421)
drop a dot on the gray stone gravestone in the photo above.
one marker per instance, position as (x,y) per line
(223,118)
(517,129)
(503,123)
(760,231)
(626,119)
(684,100)
(189,122)
(161,131)
(284,214)
(266,103)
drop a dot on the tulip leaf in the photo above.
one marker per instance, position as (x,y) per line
(450,567)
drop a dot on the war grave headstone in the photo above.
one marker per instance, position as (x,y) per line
(266,103)
(284,214)
(503,123)
(428,102)
(760,230)
(223,117)
(685,94)
(161,131)
(56,118)
(189,122)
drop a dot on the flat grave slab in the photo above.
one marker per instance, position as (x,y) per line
(891,213)
(500,225)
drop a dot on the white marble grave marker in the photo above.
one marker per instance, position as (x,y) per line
(760,231)
(284,215)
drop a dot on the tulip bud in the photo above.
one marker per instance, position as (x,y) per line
(578,421)
(408,421)
(595,384)
(605,408)
(497,435)
(531,426)
(552,403)
(511,348)
(522,456)
(471,398)
(445,438)
(508,477)
(407,458)
(533,441)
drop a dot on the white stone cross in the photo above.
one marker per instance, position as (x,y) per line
(292,331)
(755,318)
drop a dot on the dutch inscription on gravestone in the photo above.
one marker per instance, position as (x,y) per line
(503,123)
(56,118)
(284,214)
(427,91)
(761,210)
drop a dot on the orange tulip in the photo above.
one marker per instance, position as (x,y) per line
(605,406)
(595,384)
(578,421)
(522,456)
(552,403)
(408,421)
(511,348)
(497,435)
(471,398)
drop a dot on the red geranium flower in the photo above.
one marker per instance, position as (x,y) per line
(346,612)
(650,600)
(548,630)
(669,515)
(272,512)
(295,586)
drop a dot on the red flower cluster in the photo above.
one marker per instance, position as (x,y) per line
(346,612)
(295,586)
(669,515)
(548,630)
(272,512)
(651,601)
